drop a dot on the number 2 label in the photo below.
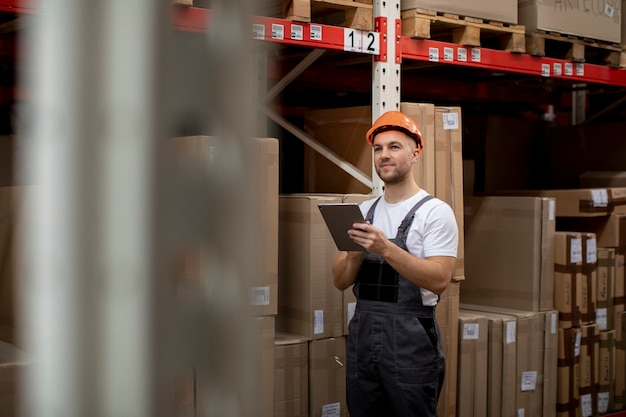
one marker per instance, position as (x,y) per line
(359,41)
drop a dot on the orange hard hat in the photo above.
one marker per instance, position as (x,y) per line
(395,120)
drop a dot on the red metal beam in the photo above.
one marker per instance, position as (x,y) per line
(20,6)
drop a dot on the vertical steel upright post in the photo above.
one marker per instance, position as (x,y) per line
(386,66)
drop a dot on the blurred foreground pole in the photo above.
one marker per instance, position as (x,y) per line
(103,224)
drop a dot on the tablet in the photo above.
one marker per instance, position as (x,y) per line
(339,218)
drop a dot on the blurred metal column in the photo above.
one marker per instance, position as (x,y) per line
(97,281)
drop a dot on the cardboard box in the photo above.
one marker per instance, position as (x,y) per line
(618,295)
(449,171)
(472,364)
(291,376)
(447,316)
(510,252)
(308,302)
(598,20)
(327,377)
(568,261)
(606,288)
(530,357)
(260,159)
(550,360)
(569,367)
(589,278)
(502,360)
(606,388)
(502,11)
(589,361)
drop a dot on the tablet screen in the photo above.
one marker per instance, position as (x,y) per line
(339,218)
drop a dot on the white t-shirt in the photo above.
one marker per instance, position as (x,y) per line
(434,231)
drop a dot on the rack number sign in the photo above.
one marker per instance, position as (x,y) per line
(359,41)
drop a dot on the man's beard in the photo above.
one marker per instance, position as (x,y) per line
(394,177)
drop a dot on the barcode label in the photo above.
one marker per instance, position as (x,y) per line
(470,331)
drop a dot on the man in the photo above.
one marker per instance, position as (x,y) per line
(395,365)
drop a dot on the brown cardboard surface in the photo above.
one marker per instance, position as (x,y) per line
(261,158)
(472,364)
(530,356)
(327,377)
(550,361)
(596,20)
(589,278)
(502,11)
(606,386)
(447,316)
(308,302)
(568,278)
(501,364)
(588,377)
(606,288)
(449,171)
(510,252)
(568,372)
(291,376)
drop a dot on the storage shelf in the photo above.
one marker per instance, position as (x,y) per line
(197,20)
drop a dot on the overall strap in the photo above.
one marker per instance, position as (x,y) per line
(408,219)
(370,213)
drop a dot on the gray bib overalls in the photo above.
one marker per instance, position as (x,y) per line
(395,363)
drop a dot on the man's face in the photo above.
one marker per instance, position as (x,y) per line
(394,155)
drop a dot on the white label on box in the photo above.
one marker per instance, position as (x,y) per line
(212,156)
(551,209)
(450,121)
(520,412)
(577,343)
(580,70)
(553,325)
(318,325)
(603,402)
(297,32)
(592,251)
(260,296)
(529,380)
(475,55)
(470,331)
(448,54)
(351,310)
(608,10)
(601,318)
(585,405)
(433,54)
(461,55)
(600,198)
(511,332)
(278,31)
(557,68)
(576,251)
(331,410)
(315,33)
(569,68)
(545,70)
(258,31)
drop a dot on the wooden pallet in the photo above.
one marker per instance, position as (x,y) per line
(356,14)
(463,30)
(574,48)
